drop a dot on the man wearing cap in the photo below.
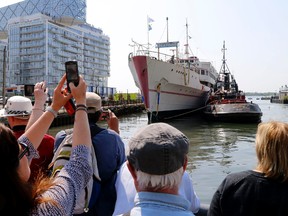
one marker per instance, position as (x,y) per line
(157,159)
(109,150)
(126,192)
(17,111)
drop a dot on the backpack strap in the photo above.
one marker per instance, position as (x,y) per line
(94,130)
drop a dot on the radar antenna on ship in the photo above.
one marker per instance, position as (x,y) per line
(225,70)
(224,64)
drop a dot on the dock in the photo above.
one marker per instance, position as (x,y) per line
(120,109)
(277,100)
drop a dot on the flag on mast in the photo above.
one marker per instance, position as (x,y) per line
(149,20)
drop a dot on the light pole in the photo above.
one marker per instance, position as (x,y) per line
(4,77)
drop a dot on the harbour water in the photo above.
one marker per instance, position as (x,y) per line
(216,149)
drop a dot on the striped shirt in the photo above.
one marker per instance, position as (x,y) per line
(69,182)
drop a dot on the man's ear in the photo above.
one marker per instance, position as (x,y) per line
(134,176)
(132,170)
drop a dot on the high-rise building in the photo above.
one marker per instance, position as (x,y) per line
(42,34)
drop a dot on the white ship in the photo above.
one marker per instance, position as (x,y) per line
(171,86)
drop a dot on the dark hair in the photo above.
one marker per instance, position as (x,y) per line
(94,117)
(15,194)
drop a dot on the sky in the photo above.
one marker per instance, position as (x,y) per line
(255,33)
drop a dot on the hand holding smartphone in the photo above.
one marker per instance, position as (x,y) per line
(72,73)
(105,114)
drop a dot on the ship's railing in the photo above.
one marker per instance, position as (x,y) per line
(143,49)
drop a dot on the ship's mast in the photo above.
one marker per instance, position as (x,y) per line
(187,45)
(168,44)
(167,30)
(225,71)
(224,60)
(224,67)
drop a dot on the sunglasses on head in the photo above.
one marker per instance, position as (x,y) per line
(25,150)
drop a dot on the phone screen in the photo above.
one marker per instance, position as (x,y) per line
(28,90)
(105,114)
(72,74)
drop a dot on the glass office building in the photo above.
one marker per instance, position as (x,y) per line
(43,34)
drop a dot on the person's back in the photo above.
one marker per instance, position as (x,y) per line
(157,160)
(250,193)
(263,191)
(110,154)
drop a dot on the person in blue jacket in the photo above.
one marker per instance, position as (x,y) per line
(110,153)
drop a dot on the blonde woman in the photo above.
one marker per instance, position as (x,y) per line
(263,191)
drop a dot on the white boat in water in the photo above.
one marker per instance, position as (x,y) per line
(171,86)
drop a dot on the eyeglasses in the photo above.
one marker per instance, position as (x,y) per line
(25,150)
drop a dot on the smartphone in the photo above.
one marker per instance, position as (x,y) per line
(72,73)
(70,107)
(28,90)
(105,114)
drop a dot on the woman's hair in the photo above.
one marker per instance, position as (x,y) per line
(159,182)
(42,184)
(272,150)
(15,194)
(17,197)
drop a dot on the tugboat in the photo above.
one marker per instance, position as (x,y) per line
(227,103)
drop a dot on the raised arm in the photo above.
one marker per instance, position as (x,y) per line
(76,173)
(40,95)
(81,131)
(113,122)
(37,130)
